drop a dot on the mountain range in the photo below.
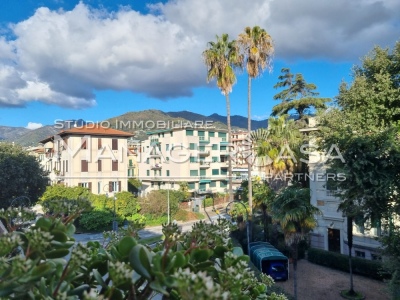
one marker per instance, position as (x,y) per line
(134,122)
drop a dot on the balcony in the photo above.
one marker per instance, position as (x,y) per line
(203,140)
(204,165)
(156,178)
(155,154)
(156,167)
(204,152)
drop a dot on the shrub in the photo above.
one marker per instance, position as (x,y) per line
(156,204)
(96,220)
(208,202)
(368,268)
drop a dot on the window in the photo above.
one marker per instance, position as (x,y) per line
(83,143)
(222,183)
(147,172)
(214,159)
(192,185)
(224,171)
(114,166)
(114,144)
(167,172)
(114,186)
(213,184)
(87,185)
(192,159)
(211,134)
(201,133)
(99,187)
(99,143)
(189,132)
(130,163)
(172,133)
(214,147)
(84,166)
(147,161)
(360,254)
(222,134)
(202,148)
(99,165)
(194,172)
(66,166)
(215,172)
(172,185)
(222,148)
(375,257)
(192,146)
(166,147)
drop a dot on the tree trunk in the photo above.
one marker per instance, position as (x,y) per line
(249,157)
(228,121)
(350,244)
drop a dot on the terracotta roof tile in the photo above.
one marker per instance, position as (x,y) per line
(95,129)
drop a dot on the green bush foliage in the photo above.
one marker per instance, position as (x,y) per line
(199,264)
(364,267)
(208,202)
(156,203)
(96,220)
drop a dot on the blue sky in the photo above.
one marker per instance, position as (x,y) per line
(94,59)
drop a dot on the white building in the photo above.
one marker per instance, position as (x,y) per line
(198,156)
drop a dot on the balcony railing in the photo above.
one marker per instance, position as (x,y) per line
(204,152)
(204,191)
(156,167)
(204,165)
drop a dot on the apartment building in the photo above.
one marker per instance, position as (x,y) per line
(92,156)
(198,156)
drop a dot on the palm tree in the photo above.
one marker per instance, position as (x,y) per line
(221,59)
(277,147)
(257,48)
(295,214)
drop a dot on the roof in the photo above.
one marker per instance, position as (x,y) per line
(92,129)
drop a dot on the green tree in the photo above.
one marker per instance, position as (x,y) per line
(20,175)
(221,58)
(298,95)
(257,49)
(263,196)
(293,211)
(364,126)
(277,149)
(61,192)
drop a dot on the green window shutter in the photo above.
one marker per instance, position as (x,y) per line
(167,172)
(194,172)
(215,159)
(222,148)
(148,172)
(224,171)
(211,133)
(213,184)
(202,148)
(192,146)
(201,133)
(222,183)
(202,172)
(215,171)
(214,147)
(192,185)
(222,134)
(192,159)
(189,132)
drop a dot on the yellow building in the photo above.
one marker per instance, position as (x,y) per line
(92,156)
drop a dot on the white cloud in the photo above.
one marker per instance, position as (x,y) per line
(62,57)
(32,125)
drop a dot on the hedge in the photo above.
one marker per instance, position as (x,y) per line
(364,267)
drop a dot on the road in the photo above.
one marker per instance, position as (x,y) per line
(149,232)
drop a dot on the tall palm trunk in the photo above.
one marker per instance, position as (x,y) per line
(350,244)
(265,222)
(228,121)
(249,158)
